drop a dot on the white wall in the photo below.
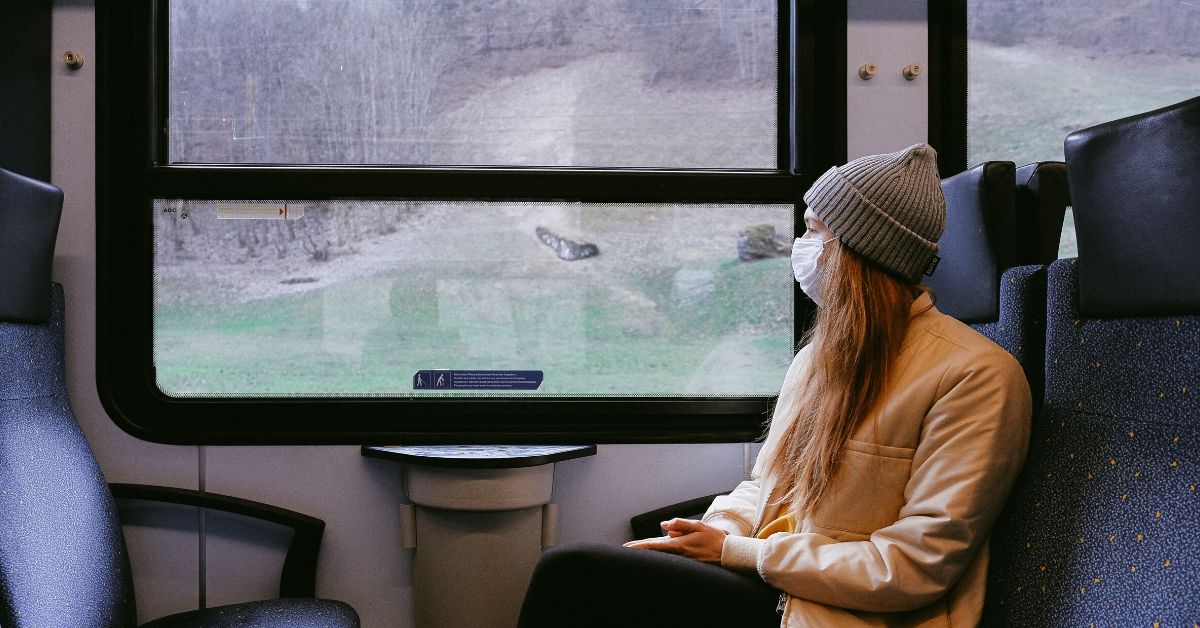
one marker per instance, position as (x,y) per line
(361,561)
(888,112)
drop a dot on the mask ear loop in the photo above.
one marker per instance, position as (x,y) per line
(823,242)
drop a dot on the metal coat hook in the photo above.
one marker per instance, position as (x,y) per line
(73,59)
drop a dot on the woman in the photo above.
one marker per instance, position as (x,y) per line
(894,443)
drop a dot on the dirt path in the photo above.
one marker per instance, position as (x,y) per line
(522,120)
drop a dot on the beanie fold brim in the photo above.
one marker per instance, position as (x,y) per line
(887,208)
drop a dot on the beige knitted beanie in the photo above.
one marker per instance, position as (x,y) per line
(887,208)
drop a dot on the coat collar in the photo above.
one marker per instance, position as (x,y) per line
(921,314)
(921,306)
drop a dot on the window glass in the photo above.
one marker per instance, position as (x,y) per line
(355,298)
(1040,70)
(1068,246)
(597,83)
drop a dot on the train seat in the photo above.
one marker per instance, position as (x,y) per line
(63,560)
(1040,203)
(1102,526)
(979,242)
(29,215)
(984,278)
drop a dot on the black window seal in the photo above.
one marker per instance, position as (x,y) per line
(948,84)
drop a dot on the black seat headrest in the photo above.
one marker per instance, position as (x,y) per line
(1041,203)
(1135,191)
(978,244)
(29,213)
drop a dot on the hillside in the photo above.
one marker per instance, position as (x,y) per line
(1105,28)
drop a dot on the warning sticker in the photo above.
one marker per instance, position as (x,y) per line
(259,211)
(442,379)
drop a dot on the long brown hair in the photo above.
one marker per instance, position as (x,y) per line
(857,335)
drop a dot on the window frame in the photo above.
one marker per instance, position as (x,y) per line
(133,170)
(947,44)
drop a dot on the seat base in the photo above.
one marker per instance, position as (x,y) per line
(282,613)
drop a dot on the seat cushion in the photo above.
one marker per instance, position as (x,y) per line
(283,613)
(62,557)
(1134,194)
(29,216)
(1103,524)
(978,243)
(1021,328)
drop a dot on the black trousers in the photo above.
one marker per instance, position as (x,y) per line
(607,585)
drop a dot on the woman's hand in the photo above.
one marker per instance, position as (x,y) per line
(688,538)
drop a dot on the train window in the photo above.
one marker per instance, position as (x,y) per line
(359,298)
(1040,70)
(519,221)
(678,84)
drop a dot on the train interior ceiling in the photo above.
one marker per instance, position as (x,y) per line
(425,288)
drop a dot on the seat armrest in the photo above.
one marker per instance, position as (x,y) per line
(299,575)
(646,525)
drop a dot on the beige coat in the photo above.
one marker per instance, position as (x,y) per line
(901,539)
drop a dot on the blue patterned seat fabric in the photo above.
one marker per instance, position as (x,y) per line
(1103,527)
(1021,328)
(62,554)
(285,613)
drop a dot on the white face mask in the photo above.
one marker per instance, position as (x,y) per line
(805,254)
